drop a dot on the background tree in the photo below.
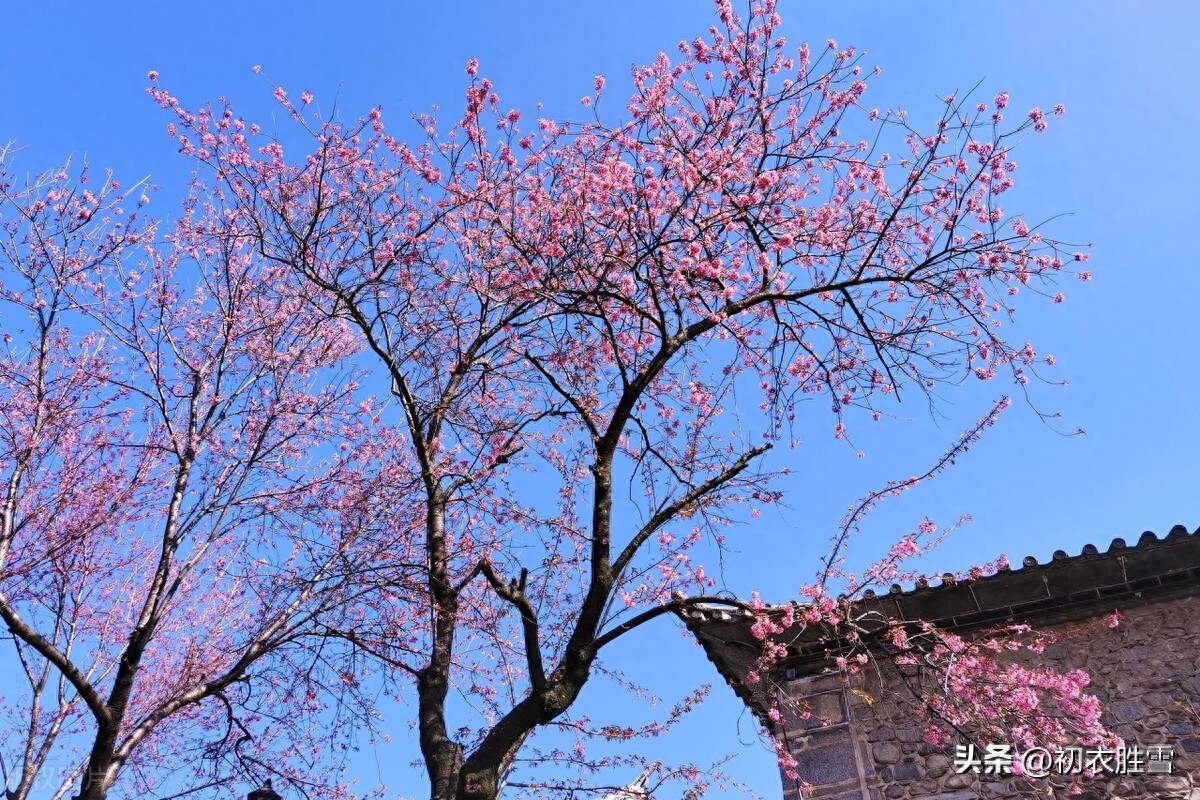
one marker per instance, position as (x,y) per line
(592,333)
(174,519)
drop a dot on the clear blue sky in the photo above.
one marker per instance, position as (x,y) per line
(72,78)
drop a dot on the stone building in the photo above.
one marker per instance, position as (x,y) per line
(864,740)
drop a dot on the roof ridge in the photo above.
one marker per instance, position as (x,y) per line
(1116,547)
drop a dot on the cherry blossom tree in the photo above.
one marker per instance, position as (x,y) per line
(177,515)
(588,335)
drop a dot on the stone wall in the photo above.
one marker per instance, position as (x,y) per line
(865,741)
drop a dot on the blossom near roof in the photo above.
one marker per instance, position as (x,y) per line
(1063,589)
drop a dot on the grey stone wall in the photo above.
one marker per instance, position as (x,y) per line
(1146,672)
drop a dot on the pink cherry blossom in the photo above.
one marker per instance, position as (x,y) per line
(414,407)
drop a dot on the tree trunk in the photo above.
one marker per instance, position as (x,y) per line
(95,782)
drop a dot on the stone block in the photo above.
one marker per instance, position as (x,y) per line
(1157,699)
(886,753)
(1127,710)
(959,780)
(822,766)
(936,766)
(1176,787)
(854,794)
(1156,720)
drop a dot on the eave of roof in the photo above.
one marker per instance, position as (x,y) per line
(1063,588)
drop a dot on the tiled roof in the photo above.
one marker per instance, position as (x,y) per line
(1065,587)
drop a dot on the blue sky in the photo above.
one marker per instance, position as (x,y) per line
(72,78)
